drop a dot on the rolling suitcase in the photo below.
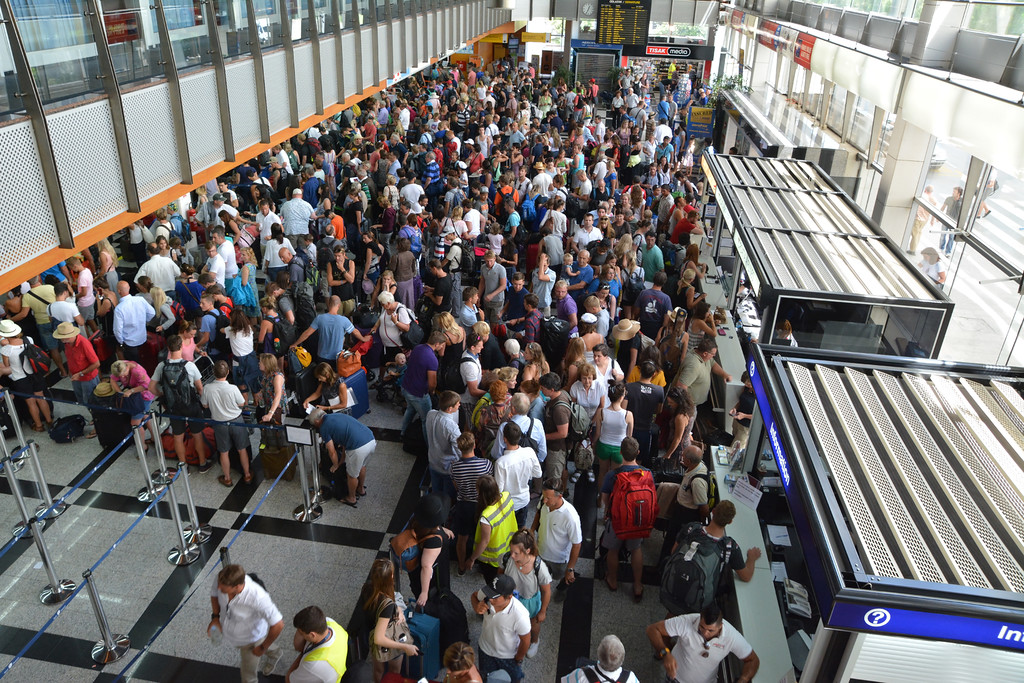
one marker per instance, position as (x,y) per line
(274,460)
(205,366)
(359,393)
(149,354)
(426,631)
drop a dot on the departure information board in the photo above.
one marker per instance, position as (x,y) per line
(623,22)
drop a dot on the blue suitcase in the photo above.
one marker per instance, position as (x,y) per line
(359,392)
(426,631)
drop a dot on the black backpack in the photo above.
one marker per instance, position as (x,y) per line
(554,336)
(305,310)
(691,576)
(179,391)
(526,441)
(451,379)
(67,429)
(220,342)
(284,335)
(594,677)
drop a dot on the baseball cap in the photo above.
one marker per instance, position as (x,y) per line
(502,585)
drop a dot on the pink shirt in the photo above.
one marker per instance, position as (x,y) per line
(188,348)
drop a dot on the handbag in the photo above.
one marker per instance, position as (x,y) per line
(133,404)
(397,630)
(349,364)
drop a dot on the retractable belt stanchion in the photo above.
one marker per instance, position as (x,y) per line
(47,503)
(112,646)
(308,511)
(163,475)
(150,491)
(225,557)
(18,498)
(318,491)
(185,552)
(194,532)
(58,590)
(18,462)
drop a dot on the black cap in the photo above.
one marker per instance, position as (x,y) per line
(502,585)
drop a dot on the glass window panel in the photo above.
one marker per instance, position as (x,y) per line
(268,23)
(812,101)
(998,222)
(1003,20)
(883,141)
(836,109)
(859,134)
(189,37)
(10,104)
(363,6)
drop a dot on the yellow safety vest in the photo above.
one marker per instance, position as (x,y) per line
(501,517)
(335,654)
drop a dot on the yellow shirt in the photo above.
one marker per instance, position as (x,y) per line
(44,292)
(659,377)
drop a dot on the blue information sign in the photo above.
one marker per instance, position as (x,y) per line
(781,459)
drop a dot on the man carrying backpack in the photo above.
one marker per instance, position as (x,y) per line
(693,575)
(702,641)
(180,384)
(692,501)
(631,505)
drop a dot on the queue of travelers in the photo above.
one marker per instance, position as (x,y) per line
(516,265)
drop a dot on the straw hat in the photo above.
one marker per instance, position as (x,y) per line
(103,390)
(66,331)
(9,328)
(625,329)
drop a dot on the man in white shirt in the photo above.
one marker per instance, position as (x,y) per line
(296,213)
(505,634)
(530,427)
(542,181)
(473,219)
(266,219)
(412,192)
(662,131)
(63,310)
(514,470)
(227,252)
(587,232)
(161,270)
(248,619)
(225,402)
(559,533)
(702,642)
(214,264)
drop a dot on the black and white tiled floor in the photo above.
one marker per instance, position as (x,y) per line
(323,563)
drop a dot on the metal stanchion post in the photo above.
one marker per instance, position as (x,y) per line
(225,557)
(163,475)
(18,498)
(149,492)
(47,503)
(113,646)
(194,532)
(318,492)
(12,412)
(58,590)
(308,511)
(185,552)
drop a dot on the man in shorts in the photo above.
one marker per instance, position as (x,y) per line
(356,442)
(556,427)
(179,426)
(225,402)
(609,541)
(465,472)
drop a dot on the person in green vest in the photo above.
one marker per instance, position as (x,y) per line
(495,528)
(322,645)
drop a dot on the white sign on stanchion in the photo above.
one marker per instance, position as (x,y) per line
(745,492)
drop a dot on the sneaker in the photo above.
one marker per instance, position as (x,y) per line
(205,467)
(532,652)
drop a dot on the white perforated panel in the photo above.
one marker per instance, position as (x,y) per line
(84,147)
(408,58)
(383,67)
(396,48)
(367,60)
(147,113)
(278,99)
(349,63)
(329,71)
(430,37)
(421,37)
(245,118)
(304,82)
(202,120)
(26,221)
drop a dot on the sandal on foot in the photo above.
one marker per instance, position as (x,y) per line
(38,428)
(360,494)
(638,597)
(610,587)
(351,505)
(247,479)
(225,482)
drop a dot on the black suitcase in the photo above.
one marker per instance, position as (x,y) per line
(111,427)
(413,441)
(450,611)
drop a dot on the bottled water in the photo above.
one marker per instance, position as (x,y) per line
(215,635)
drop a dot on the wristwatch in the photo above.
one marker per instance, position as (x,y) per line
(660,655)
(570,569)
(215,615)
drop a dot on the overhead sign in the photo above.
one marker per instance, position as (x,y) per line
(495,38)
(767,34)
(593,45)
(623,22)
(700,121)
(695,52)
(122,27)
(905,622)
(781,459)
(535,37)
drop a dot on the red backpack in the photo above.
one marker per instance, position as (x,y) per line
(634,504)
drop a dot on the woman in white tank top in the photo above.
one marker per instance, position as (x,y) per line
(614,424)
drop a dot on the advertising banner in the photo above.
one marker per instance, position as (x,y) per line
(122,27)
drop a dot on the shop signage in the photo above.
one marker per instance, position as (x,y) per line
(122,27)
(905,622)
(737,19)
(593,45)
(803,49)
(705,52)
(536,37)
(495,38)
(700,121)
(781,459)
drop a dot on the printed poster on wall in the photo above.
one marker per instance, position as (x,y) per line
(803,49)
(700,122)
(122,27)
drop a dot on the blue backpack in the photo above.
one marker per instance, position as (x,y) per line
(528,212)
(415,237)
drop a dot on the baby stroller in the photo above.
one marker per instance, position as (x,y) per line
(389,389)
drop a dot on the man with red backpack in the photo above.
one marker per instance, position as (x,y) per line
(630,502)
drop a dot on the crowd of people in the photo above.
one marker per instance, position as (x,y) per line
(515,263)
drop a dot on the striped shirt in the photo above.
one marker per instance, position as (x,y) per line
(465,472)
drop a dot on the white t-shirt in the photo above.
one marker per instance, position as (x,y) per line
(241,343)
(691,666)
(282,158)
(224,400)
(13,353)
(216,266)
(390,333)
(412,192)
(501,631)
(473,219)
(265,223)
(542,183)
(559,530)
(227,252)
(583,238)
(272,254)
(471,372)
(513,472)
(62,312)
(246,619)
(578,676)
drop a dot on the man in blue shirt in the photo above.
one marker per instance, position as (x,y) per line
(355,441)
(332,327)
